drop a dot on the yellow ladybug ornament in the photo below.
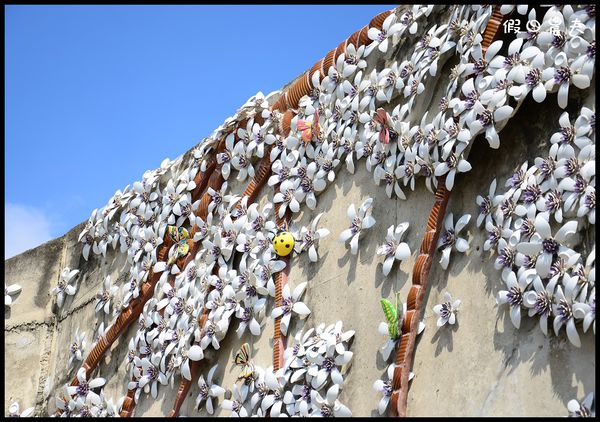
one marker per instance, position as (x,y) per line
(283,243)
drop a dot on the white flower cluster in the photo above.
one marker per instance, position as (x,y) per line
(531,226)
(308,384)
(87,399)
(342,120)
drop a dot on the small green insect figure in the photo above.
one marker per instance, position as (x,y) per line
(394,316)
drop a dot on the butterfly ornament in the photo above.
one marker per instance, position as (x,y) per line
(309,129)
(180,236)
(382,119)
(242,359)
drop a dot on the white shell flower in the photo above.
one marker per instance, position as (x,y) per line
(104,297)
(486,204)
(380,36)
(583,408)
(562,308)
(290,303)
(286,196)
(359,222)
(564,75)
(84,388)
(450,238)
(539,301)
(14,411)
(64,287)
(247,316)
(447,310)
(310,238)
(385,387)
(330,405)
(13,289)
(152,374)
(546,245)
(454,163)
(236,405)
(393,248)
(208,391)
(77,347)
(514,295)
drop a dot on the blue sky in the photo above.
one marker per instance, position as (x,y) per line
(96,95)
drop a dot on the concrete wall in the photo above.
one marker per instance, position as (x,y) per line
(480,366)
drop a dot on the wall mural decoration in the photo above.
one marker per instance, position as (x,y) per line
(203,258)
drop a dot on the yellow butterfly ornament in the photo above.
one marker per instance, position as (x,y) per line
(180,236)
(242,359)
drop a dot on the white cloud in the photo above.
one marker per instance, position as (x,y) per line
(25,228)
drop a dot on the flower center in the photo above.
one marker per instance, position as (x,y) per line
(306,184)
(406,70)
(507,257)
(512,60)
(553,200)
(559,39)
(387,388)
(563,310)
(356,225)
(531,193)
(83,388)
(542,303)
(590,200)
(562,74)
(486,206)
(514,296)
(479,66)
(329,364)
(533,77)
(446,310)
(486,118)
(527,228)
(494,236)
(507,207)
(449,238)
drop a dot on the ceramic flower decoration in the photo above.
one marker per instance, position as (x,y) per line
(447,310)
(394,249)
(545,246)
(329,405)
(64,287)
(290,303)
(582,409)
(514,295)
(85,388)
(359,221)
(208,391)
(9,291)
(450,240)
(336,115)
(310,238)
(77,348)
(14,411)
(386,388)
(104,297)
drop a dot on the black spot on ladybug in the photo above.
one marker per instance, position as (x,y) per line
(287,245)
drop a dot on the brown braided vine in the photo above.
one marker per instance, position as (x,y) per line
(420,276)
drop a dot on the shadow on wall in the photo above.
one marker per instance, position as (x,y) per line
(527,136)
